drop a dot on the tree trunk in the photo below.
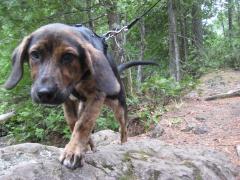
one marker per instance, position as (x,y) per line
(230,18)
(221,18)
(141,57)
(183,30)
(185,33)
(117,44)
(173,43)
(114,23)
(197,29)
(238,12)
(89,14)
(128,74)
(223,27)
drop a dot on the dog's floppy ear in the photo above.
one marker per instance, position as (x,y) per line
(101,71)
(18,57)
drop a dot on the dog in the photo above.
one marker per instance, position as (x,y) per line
(70,65)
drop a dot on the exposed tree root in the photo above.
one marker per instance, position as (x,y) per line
(229,94)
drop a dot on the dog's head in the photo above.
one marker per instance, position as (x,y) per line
(59,55)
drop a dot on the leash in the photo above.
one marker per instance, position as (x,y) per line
(113,33)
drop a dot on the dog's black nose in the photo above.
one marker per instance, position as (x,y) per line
(46,94)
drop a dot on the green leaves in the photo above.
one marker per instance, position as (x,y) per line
(162,86)
(107,121)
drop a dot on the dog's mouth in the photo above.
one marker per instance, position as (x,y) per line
(50,99)
(50,102)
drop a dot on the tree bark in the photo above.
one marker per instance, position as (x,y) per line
(221,18)
(185,33)
(238,12)
(230,94)
(197,28)
(114,23)
(117,44)
(183,30)
(89,14)
(223,27)
(173,43)
(128,75)
(141,57)
(230,18)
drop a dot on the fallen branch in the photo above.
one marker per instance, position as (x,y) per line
(5,117)
(229,94)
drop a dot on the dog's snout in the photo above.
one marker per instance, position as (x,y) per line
(46,94)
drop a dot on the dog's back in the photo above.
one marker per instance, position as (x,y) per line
(99,43)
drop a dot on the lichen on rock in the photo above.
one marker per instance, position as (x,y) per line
(144,158)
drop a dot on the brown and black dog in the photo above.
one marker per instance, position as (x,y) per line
(71,66)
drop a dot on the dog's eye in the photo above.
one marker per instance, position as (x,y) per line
(67,58)
(35,55)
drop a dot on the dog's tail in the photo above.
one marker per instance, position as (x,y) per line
(126,65)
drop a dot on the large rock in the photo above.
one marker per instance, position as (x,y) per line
(142,158)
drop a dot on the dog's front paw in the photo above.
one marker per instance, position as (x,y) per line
(73,155)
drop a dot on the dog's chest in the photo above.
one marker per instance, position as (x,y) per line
(83,90)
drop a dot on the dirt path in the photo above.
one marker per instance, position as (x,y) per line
(216,124)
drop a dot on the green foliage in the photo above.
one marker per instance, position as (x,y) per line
(159,91)
(150,115)
(34,122)
(161,86)
(107,121)
(220,54)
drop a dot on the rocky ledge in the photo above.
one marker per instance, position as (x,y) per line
(139,158)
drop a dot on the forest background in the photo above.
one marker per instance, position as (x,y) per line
(186,37)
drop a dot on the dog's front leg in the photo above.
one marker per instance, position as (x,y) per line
(71,112)
(72,156)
